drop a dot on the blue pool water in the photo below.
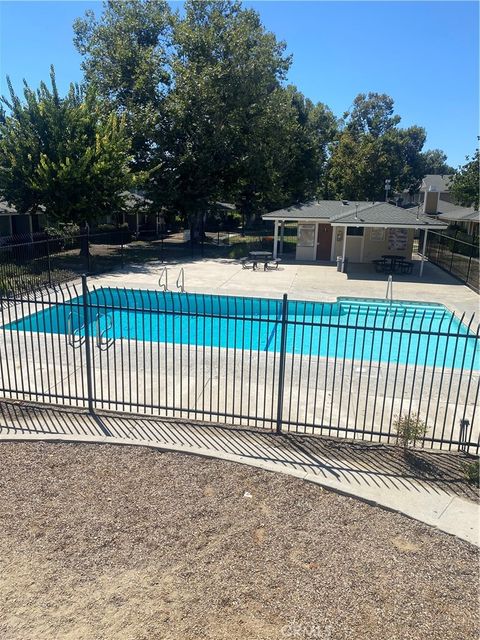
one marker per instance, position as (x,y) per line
(352,328)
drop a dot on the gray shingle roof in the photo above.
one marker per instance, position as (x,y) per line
(439,183)
(384,214)
(453,212)
(370,213)
(315,210)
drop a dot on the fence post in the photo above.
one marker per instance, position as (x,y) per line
(89,267)
(88,355)
(469,263)
(48,262)
(453,254)
(281,368)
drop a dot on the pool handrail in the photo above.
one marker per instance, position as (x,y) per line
(181,281)
(164,272)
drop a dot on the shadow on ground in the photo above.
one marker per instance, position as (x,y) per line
(350,462)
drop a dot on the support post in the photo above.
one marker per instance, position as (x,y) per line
(49,265)
(88,355)
(344,247)
(281,367)
(275,240)
(424,248)
(282,234)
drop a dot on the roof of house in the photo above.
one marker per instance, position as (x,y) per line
(436,182)
(384,214)
(316,209)
(454,212)
(356,214)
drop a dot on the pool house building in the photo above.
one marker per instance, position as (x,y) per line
(358,231)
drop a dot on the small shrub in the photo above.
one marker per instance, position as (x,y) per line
(63,230)
(472,472)
(409,428)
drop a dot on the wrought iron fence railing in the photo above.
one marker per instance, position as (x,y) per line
(456,256)
(282,365)
(38,260)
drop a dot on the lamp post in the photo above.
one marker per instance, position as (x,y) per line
(387,189)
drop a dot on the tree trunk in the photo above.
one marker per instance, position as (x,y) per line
(84,242)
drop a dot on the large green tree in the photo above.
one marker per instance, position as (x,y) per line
(371,148)
(435,162)
(465,183)
(62,153)
(221,111)
(126,62)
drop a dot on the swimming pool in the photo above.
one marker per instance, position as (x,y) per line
(350,328)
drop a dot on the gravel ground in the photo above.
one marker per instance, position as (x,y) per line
(129,543)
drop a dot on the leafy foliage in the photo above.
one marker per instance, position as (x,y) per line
(62,154)
(472,471)
(196,105)
(371,148)
(466,183)
(435,162)
(409,428)
(126,62)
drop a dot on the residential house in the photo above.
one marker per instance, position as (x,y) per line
(466,218)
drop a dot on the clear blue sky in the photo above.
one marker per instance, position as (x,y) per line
(423,54)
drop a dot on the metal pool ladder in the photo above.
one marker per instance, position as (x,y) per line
(102,341)
(181,281)
(75,338)
(389,292)
(163,276)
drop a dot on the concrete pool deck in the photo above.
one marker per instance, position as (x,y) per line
(301,281)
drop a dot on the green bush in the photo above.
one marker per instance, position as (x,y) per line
(63,230)
(409,428)
(472,472)
(105,228)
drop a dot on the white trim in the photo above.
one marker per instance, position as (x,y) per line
(282,235)
(275,241)
(334,240)
(289,219)
(390,226)
(385,225)
(344,247)
(362,245)
(423,252)
(315,242)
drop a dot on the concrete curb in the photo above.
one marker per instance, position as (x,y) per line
(450,514)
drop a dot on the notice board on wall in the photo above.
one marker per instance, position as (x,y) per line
(397,239)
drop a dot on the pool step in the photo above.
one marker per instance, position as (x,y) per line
(398,310)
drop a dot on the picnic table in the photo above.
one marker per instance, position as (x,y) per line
(259,257)
(392,264)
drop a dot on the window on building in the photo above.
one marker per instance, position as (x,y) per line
(354,231)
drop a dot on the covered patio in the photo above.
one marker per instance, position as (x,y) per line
(360,232)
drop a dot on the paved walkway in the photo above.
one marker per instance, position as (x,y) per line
(374,473)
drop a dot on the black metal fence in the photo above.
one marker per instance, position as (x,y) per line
(346,369)
(33,261)
(456,256)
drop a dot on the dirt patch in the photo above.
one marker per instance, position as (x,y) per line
(128,543)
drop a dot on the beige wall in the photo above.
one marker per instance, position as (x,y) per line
(306,241)
(373,249)
(374,245)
